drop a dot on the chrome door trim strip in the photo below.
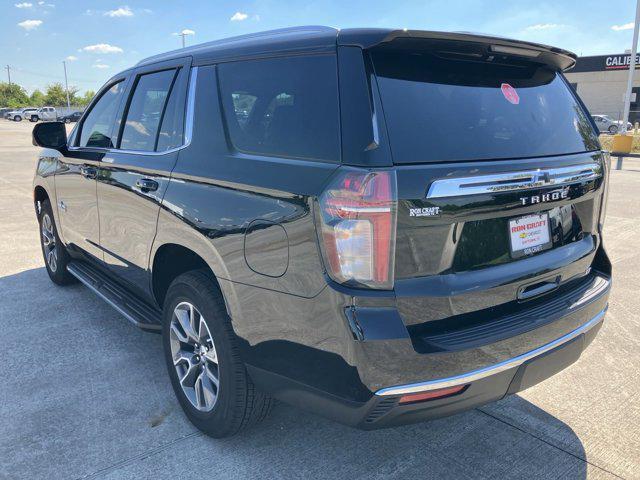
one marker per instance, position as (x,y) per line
(188,127)
(511,181)
(484,372)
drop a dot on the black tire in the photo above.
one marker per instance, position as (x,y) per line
(57,270)
(17,118)
(67,120)
(34,118)
(613,129)
(238,404)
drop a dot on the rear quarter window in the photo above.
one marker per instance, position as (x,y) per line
(284,107)
(440,109)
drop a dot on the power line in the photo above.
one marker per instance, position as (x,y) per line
(53,77)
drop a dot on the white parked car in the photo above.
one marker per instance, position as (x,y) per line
(46,114)
(607,124)
(20,113)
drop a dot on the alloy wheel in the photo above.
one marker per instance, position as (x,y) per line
(49,243)
(194,356)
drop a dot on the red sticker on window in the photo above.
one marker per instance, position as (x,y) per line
(510,93)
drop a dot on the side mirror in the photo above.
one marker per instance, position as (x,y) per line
(50,135)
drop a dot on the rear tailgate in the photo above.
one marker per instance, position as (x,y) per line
(500,181)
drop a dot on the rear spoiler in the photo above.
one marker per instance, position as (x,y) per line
(553,57)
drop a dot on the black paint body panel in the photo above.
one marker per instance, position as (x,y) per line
(252,219)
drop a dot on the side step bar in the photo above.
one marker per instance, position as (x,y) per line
(139,313)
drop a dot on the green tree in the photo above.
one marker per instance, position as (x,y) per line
(56,95)
(84,100)
(37,99)
(13,96)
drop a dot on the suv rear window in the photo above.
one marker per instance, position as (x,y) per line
(286,107)
(442,109)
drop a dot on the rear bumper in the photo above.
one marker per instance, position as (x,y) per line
(484,385)
(509,364)
(383,361)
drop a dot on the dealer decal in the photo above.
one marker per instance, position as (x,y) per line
(424,212)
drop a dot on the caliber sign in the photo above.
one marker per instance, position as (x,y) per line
(619,62)
(602,63)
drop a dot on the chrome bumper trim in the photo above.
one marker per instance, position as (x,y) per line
(491,369)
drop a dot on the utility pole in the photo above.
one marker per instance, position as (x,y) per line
(632,70)
(66,84)
(184,34)
(9,74)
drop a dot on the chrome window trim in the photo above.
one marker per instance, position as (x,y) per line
(188,126)
(474,375)
(513,181)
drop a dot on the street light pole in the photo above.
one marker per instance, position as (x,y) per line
(66,84)
(632,69)
(9,74)
(183,35)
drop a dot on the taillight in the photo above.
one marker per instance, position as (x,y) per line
(358,228)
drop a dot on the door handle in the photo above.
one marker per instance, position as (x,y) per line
(147,185)
(89,172)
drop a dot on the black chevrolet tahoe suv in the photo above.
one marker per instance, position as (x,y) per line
(380,226)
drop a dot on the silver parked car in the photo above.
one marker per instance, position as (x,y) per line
(20,113)
(607,124)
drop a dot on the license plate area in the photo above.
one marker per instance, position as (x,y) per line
(529,234)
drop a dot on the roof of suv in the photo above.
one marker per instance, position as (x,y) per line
(321,38)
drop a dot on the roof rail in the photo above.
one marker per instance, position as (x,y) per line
(230,41)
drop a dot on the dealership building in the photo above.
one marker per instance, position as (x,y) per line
(601,82)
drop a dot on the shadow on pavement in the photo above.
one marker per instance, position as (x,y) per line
(83,394)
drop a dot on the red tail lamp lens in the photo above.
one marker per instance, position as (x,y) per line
(358,216)
(432,395)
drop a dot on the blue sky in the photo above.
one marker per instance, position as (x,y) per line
(100,38)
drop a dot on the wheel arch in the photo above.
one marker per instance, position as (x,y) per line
(40,194)
(171,260)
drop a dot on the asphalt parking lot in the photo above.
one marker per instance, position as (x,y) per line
(84,394)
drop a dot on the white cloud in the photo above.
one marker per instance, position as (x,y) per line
(102,48)
(119,12)
(544,26)
(30,24)
(101,66)
(23,5)
(186,31)
(238,17)
(626,26)
(71,58)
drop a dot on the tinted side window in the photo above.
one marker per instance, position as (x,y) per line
(283,107)
(145,110)
(171,130)
(97,126)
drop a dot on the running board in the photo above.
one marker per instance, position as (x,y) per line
(139,313)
